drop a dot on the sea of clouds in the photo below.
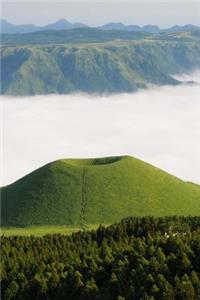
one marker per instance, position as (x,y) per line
(160,125)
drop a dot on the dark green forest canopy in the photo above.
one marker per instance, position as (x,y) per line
(138,258)
(94,61)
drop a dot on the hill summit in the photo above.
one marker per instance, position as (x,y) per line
(93,191)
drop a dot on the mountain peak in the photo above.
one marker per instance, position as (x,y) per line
(62,22)
(93,191)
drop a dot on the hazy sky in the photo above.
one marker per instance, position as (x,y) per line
(160,126)
(94,13)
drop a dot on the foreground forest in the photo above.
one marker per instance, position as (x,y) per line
(138,258)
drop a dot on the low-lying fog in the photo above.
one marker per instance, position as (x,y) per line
(194,76)
(160,126)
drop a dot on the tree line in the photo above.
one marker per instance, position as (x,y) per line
(138,258)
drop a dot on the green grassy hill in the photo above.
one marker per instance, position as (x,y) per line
(78,35)
(96,65)
(78,192)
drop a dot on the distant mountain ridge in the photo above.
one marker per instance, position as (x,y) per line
(63,24)
(7,27)
(94,61)
(121,26)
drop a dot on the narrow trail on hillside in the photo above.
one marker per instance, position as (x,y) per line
(83,200)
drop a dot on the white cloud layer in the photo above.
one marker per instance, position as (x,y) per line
(192,77)
(160,126)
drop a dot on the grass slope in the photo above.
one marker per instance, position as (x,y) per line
(110,66)
(92,35)
(38,230)
(92,191)
(79,35)
(43,230)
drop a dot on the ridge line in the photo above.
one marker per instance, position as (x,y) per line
(83,199)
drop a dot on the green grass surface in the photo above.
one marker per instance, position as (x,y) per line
(43,230)
(97,66)
(38,231)
(93,191)
(92,35)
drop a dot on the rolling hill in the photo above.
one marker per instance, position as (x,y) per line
(94,61)
(78,192)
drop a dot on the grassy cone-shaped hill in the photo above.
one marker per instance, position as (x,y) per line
(90,191)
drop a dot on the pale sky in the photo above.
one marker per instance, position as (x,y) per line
(164,14)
